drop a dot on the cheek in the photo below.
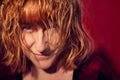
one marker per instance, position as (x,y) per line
(53,39)
(27,39)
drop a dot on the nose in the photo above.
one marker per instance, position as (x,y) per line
(40,41)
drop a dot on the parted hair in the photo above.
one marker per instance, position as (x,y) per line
(75,44)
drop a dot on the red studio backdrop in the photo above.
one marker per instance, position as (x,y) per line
(102,20)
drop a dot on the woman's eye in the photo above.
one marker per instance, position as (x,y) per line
(28,29)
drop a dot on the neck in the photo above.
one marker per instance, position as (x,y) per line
(40,74)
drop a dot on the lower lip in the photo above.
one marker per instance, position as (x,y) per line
(40,56)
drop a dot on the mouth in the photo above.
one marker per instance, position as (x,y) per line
(44,54)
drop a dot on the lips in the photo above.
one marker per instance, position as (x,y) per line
(44,54)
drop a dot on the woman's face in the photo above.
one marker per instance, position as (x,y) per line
(41,44)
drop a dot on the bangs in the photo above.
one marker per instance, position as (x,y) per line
(35,12)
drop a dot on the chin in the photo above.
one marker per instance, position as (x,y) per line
(46,64)
(48,67)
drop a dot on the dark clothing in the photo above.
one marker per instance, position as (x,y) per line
(95,69)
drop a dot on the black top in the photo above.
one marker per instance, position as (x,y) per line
(79,74)
(19,76)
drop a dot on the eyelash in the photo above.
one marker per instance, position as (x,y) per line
(28,29)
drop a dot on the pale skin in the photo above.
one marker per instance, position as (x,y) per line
(37,41)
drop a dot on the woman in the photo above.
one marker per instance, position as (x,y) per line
(43,39)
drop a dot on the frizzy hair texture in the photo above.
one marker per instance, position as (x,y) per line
(75,44)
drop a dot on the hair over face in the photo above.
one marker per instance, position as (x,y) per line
(74,45)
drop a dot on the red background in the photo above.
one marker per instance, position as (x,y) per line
(101,18)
